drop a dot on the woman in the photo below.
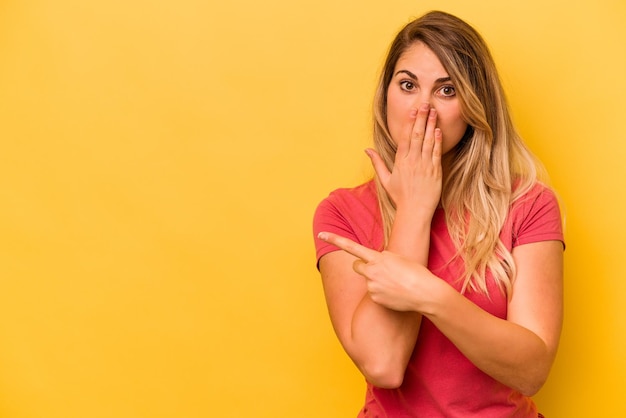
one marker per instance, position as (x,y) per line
(443,275)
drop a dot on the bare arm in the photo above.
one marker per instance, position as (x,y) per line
(518,351)
(379,339)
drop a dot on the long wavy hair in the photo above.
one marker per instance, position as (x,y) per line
(491,166)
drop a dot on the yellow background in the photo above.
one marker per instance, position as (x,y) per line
(160,162)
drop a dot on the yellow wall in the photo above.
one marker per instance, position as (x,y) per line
(160,162)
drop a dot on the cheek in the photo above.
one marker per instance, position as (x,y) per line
(399,119)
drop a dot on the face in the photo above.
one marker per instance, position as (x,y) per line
(418,78)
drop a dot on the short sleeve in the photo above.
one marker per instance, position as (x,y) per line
(537,217)
(328,218)
(352,213)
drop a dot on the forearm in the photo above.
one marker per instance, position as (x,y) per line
(508,352)
(382,342)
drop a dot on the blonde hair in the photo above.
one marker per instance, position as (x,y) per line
(491,166)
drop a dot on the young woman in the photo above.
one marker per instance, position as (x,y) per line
(443,275)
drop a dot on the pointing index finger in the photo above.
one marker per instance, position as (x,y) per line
(346,244)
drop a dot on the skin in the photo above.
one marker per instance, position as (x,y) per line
(376,299)
(419,83)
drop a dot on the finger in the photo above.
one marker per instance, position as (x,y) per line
(429,135)
(417,134)
(349,246)
(379,166)
(437,148)
(358,266)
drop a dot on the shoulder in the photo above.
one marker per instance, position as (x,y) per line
(364,194)
(349,212)
(360,201)
(535,216)
(537,198)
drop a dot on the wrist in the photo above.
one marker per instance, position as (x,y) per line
(439,294)
(413,217)
(410,237)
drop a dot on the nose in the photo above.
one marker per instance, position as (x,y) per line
(422,105)
(423,99)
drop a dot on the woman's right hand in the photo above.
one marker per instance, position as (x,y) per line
(415,180)
(392,281)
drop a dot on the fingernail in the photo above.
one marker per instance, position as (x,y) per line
(323,236)
(424,106)
(413,113)
(368,152)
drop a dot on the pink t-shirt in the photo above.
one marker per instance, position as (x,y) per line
(440,381)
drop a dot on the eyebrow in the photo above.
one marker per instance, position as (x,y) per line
(414,77)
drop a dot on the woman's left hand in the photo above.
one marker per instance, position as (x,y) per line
(393,281)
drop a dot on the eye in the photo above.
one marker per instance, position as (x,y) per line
(447,91)
(407,85)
